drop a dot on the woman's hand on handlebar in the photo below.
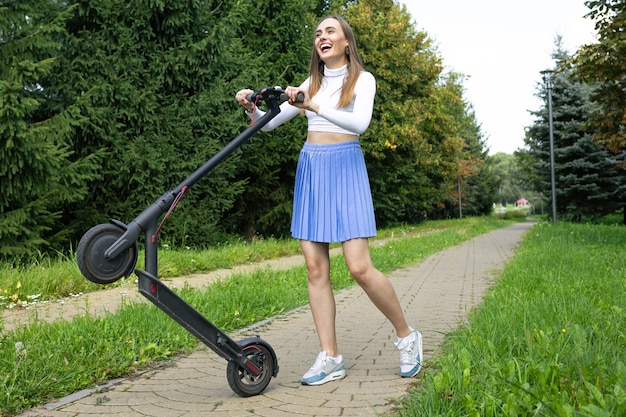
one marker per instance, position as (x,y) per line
(297,97)
(242,98)
(306,103)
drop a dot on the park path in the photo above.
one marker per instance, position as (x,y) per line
(436,295)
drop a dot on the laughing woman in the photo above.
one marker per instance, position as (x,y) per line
(332,197)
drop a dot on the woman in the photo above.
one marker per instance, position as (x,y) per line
(332,198)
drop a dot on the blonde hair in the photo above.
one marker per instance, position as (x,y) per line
(355,65)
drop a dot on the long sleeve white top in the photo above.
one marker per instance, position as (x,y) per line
(353,119)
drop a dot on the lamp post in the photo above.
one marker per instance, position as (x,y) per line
(458,184)
(547,76)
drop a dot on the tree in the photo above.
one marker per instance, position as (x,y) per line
(39,174)
(474,181)
(400,147)
(586,182)
(142,94)
(398,154)
(160,78)
(603,64)
(425,136)
(510,185)
(282,49)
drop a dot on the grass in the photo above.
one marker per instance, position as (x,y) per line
(25,282)
(43,361)
(30,281)
(549,338)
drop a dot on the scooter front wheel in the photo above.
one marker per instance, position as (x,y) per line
(91,260)
(241,381)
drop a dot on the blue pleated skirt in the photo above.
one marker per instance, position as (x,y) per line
(332,196)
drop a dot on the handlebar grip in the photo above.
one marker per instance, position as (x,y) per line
(299,97)
(252,97)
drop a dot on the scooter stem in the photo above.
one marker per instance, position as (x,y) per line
(150,216)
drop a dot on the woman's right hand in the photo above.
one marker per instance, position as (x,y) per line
(242,98)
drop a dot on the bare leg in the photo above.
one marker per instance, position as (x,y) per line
(321,297)
(374,283)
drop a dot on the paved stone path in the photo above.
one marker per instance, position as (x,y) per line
(436,296)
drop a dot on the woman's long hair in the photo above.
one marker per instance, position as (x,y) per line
(355,65)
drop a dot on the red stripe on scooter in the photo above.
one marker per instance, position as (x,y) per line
(253,368)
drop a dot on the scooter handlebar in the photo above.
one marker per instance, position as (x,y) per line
(275,93)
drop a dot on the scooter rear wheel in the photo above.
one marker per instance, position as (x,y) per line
(91,260)
(241,381)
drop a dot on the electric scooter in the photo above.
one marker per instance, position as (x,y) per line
(108,252)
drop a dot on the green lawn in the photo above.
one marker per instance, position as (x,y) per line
(549,338)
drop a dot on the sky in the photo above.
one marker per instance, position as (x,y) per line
(501,47)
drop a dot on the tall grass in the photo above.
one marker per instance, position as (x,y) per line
(42,278)
(549,338)
(43,361)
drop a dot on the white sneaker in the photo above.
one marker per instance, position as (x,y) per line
(325,369)
(411,355)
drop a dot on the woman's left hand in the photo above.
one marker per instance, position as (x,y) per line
(306,104)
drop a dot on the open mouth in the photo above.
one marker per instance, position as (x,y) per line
(325,47)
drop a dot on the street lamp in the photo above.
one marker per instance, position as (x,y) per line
(458,184)
(547,76)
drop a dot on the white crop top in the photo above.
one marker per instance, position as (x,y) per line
(353,119)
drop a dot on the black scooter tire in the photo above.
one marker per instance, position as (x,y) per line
(241,381)
(91,260)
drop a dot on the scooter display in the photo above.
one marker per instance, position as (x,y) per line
(108,252)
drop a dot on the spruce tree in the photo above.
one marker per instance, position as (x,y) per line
(586,182)
(279,36)
(160,78)
(39,174)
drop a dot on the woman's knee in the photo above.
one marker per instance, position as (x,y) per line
(318,271)
(317,277)
(360,271)
(317,260)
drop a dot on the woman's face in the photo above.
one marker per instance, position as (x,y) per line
(331,42)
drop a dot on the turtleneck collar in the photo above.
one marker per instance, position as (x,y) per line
(335,72)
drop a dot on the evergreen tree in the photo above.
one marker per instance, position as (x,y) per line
(280,36)
(39,174)
(160,77)
(586,182)
(150,85)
